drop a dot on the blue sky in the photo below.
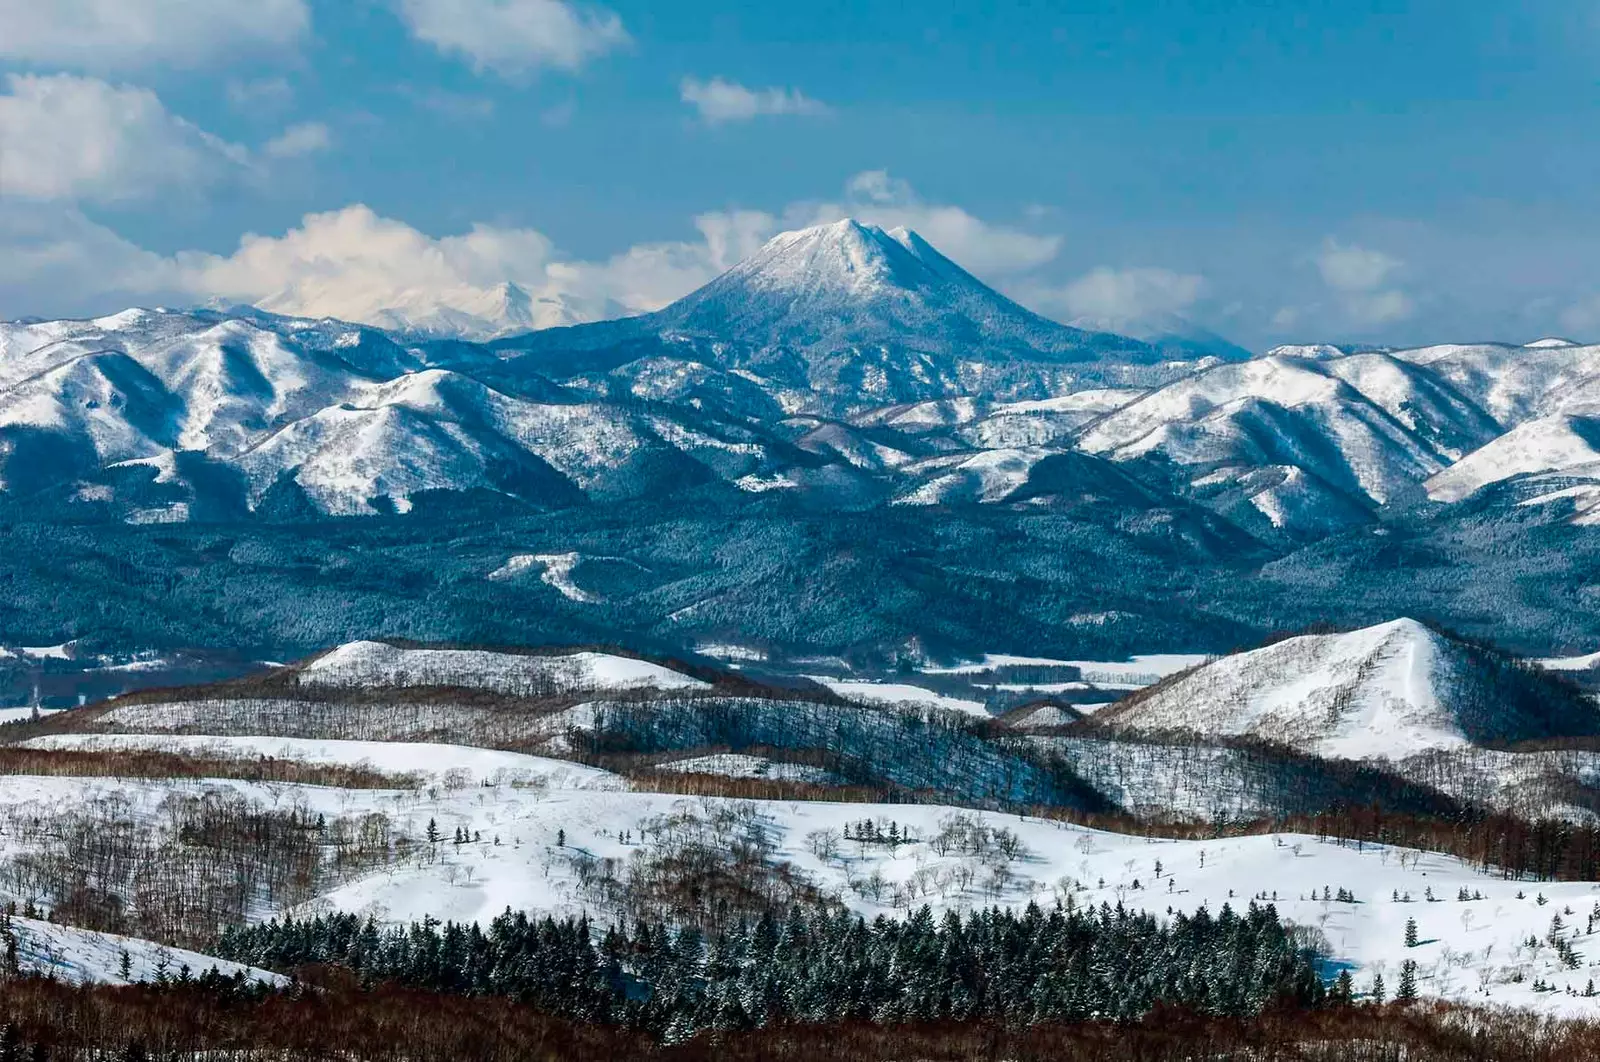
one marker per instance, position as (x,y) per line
(1398,172)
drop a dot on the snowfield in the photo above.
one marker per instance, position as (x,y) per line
(1134,673)
(892,693)
(737,765)
(528,842)
(370,664)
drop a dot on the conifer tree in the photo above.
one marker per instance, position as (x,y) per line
(1407,992)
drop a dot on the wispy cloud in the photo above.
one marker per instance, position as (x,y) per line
(307,138)
(719,100)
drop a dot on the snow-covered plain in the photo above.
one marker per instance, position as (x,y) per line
(1133,673)
(738,765)
(898,693)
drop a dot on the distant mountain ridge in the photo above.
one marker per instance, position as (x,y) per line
(843,366)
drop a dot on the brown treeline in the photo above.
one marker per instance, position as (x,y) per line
(49,1019)
(157,764)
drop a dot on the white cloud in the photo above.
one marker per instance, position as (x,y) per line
(265,95)
(1379,307)
(513,37)
(1346,267)
(719,100)
(355,264)
(984,248)
(66,137)
(120,34)
(1122,295)
(1358,277)
(306,138)
(56,262)
(651,275)
(352,263)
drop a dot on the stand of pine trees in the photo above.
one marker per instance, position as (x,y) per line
(825,968)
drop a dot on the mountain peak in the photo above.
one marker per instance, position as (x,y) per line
(847,257)
(851,285)
(1389,691)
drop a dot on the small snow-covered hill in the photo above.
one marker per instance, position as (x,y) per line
(1387,692)
(378,665)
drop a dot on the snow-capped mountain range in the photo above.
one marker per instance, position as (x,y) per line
(843,364)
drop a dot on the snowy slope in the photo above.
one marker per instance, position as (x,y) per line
(1390,691)
(376,665)
(1273,411)
(1558,443)
(1046,422)
(1516,384)
(83,956)
(467,312)
(893,693)
(990,476)
(853,284)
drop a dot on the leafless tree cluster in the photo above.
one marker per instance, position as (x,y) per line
(153,763)
(705,863)
(206,861)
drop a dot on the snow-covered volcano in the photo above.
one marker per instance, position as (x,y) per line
(851,316)
(853,284)
(1387,692)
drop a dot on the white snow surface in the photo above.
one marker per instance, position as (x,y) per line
(898,693)
(739,765)
(83,956)
(377,664)
(1465,944)
(1371,693)
(1282,411)
(989,477)
(1588,662)
(424,761)
(1550,444)
(555,571)
(1137,671)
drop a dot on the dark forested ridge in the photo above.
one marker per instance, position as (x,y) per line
(1095,584)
